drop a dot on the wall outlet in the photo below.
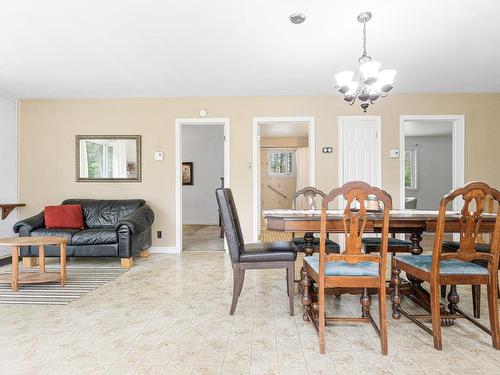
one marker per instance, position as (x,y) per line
(158,234)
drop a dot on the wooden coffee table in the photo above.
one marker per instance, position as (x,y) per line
(34,277)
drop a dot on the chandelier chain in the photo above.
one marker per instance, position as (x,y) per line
(364,38)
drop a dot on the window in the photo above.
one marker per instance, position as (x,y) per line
(411,168)
(100,160)
(281,163)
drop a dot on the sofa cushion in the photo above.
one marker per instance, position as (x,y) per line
(44,232)
(64,216)
(94,237)
(342,268)
(104,213)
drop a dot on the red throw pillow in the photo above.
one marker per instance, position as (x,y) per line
(68,216)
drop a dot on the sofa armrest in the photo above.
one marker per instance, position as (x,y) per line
(138,221)
(30,223)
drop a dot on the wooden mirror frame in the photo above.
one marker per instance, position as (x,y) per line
(137,139)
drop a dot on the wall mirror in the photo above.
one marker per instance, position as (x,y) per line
(108,158)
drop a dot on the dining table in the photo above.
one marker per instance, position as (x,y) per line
(410,222)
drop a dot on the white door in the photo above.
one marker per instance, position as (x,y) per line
(360,158)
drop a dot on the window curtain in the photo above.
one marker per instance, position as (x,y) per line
(302,167)
(84,161)
(119,159)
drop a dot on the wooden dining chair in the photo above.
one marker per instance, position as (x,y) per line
(351,268)
(310,198)
(252,256)
(481,246)
(456,268)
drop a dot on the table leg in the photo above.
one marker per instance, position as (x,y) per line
(308,246)
(415,239)
(15,268)
(63,264)
(41,257)
(415,249)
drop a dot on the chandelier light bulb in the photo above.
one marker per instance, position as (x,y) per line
(344,78)
(369,70)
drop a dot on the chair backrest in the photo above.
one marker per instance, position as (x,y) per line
(230,222)
(105,213)
(354,222)
(471,217)
(489,207)
(308,198)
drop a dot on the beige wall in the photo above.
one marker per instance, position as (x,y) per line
(48,127)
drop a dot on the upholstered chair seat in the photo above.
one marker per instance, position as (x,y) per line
(331,246)
(268,252)
(453,247)
(446,267)
(342,268)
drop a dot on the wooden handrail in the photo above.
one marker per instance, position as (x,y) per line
(277,191)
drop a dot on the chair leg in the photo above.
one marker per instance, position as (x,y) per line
(493,310)
(238,278)
(443,291)
(382,312)
(287,286)
(436,316)
(476,300)
(290,284)
(321,330)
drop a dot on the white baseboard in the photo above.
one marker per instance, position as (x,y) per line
(163,250)
(213,221)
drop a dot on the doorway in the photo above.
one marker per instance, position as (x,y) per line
(202,165)
(431,163)
(284,162)
(431,160)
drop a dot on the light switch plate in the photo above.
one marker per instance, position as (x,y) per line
(394,153)
(158,155)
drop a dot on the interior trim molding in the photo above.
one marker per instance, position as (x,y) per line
(164,250)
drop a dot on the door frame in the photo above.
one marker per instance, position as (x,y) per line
(378,120)
(179,122)
(458,150)
(311,134)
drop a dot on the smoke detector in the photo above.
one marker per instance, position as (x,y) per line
(297,18)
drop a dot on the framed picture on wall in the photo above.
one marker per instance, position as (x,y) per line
(187,173)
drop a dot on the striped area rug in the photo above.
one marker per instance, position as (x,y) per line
(80,281)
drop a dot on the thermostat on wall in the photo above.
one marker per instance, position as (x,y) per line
(394,153)
(158,155)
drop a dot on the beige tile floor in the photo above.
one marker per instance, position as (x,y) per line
(201,238)
(169,315)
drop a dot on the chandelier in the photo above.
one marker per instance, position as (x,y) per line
(367,83)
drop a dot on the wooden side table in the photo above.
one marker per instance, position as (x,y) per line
(32,277)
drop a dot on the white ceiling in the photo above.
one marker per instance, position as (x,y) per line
(120,48)
(283,129)
(427,129)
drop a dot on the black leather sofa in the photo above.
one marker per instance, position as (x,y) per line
(113,228)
